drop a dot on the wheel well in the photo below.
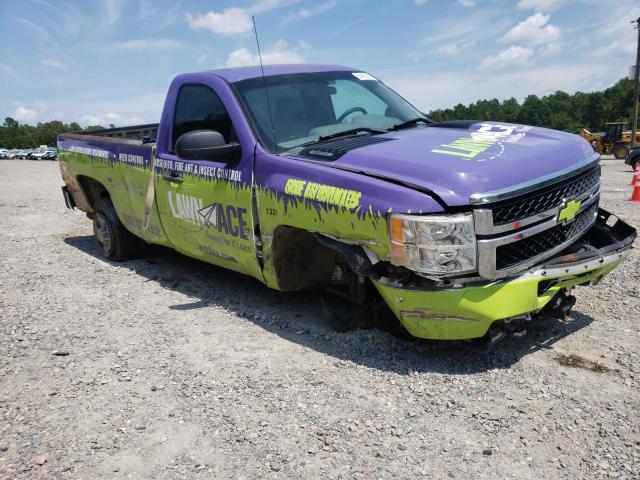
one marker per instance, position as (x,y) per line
(303,259)
(300,260)
(92,189)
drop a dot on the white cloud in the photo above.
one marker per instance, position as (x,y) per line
(202,58)
(549,50)
(454,49)
(45,36)
(232,21)
(533,31)
(53,63)
(279,53)
(112,10)
(24,114)
(148,44)
(108,118)
(511,57)
(428,92)
(310,12)
(619,48)
(420,2)
(477,24)
(317,9)
(9,71)
(236,20)
(135,108)
(467,3)
(88,107)
(156,15)
(264,5)
(346,27)
(540,5)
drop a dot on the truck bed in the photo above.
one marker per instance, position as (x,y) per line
(142,133)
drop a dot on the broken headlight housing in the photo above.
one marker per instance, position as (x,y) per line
(439,245)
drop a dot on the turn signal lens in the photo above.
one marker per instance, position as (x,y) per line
(396,229)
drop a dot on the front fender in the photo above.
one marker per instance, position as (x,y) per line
(349,207)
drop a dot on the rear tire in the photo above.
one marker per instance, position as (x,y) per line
(113,240)
(620,151)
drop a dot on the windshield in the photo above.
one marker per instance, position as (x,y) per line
(307,106)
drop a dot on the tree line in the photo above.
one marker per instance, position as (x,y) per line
(559,110)
(16,135)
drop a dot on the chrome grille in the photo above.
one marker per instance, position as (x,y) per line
(550,197)
(518,252)
(518,231)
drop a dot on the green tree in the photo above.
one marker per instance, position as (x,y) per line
(559,110)
(10,123)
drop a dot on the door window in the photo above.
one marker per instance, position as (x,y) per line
(199,108)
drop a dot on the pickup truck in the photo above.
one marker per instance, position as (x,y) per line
(633,158)
(322,177)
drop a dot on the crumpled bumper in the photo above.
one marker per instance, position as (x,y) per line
(468,312)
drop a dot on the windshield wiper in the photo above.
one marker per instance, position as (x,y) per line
(343,133)
(351,131)
(409,123)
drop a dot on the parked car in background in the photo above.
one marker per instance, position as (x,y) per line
(50,155)
(633,157)
(37,155)
(4,154)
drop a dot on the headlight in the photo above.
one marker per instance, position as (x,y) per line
(435,244)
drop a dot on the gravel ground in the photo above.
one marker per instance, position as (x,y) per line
(165,367)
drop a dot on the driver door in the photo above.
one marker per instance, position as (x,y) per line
(205,206)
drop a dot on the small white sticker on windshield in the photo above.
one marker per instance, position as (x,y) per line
(363,76)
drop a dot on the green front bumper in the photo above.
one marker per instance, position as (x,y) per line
(465,313)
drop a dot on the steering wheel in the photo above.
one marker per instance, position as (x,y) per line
(350,111)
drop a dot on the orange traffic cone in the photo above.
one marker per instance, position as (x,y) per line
(635,193)
(636,175)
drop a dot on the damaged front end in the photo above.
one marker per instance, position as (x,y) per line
(474,307)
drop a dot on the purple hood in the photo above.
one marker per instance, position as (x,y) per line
(466,158)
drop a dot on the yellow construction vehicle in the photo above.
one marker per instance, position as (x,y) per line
(615,140)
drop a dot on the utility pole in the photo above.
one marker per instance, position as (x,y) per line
(636,87)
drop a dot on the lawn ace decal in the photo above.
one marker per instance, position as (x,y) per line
(225,218)
(185,207)
(228,218)
(482,140)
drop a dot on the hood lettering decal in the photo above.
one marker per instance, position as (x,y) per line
(485,138)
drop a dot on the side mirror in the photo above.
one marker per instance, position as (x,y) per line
(207,145)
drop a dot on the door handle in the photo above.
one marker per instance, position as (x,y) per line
(173,179)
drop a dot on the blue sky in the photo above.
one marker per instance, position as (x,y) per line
(110,61)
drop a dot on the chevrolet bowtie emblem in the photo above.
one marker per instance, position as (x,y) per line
(569,211)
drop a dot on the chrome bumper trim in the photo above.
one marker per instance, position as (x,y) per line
(563,272)
(487,249)
(577,267)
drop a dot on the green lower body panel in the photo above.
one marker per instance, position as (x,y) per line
(465,313)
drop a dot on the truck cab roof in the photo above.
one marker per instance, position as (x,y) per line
(243,73)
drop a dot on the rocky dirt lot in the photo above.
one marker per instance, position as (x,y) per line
(164,367)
